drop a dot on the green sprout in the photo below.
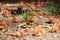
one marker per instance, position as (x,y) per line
(26,16)
(50,10)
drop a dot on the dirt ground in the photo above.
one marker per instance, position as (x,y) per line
(15,27)
(12,30)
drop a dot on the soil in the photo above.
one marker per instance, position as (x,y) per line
(15,27)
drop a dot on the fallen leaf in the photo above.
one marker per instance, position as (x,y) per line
(2,24)
(51,20)
(55,28)
(36,15)
(30,22)
(15,20)
(6,12)
(32,6)
(42,13)
(22,33)
(38,31)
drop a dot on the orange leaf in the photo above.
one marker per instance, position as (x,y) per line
(38,31)
(6,12)
(2,24)
(55,28)
(16,20)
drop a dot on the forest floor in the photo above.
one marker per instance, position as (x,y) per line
(15,27)
(13,30)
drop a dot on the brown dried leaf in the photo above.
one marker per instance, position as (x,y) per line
(15,20)
(38,31)
(3,24)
